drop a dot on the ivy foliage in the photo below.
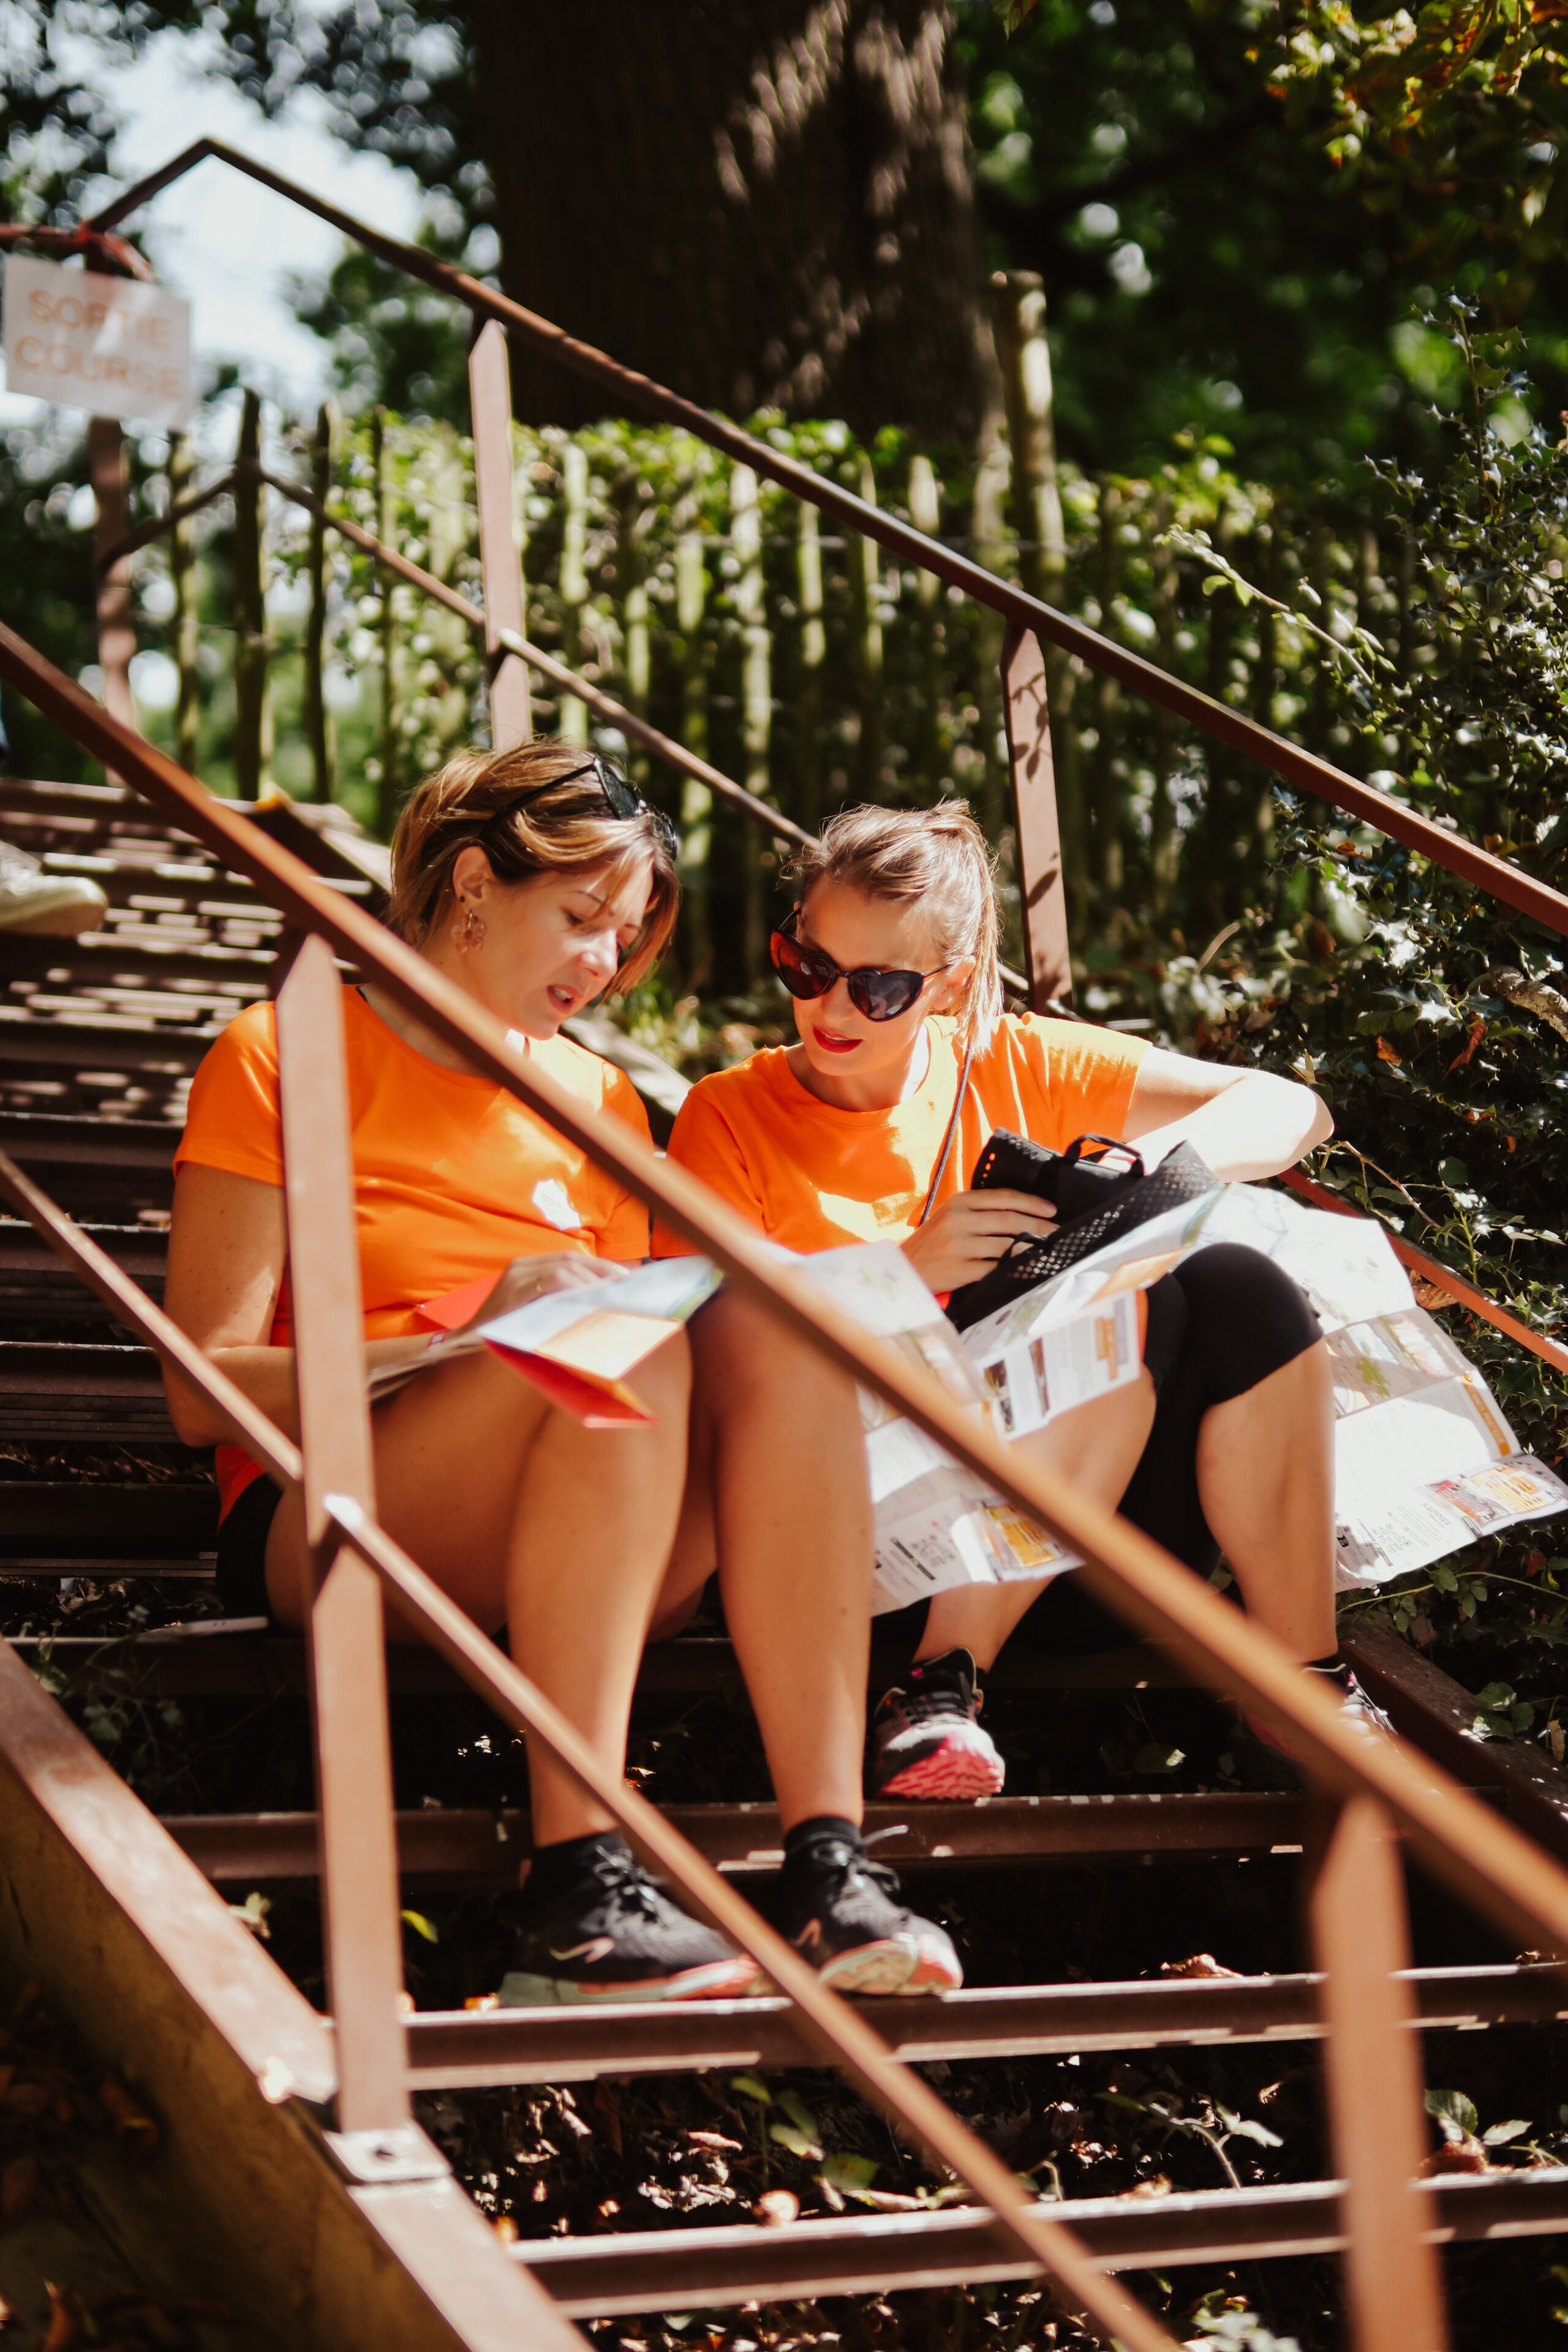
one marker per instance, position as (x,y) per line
(1434,1019)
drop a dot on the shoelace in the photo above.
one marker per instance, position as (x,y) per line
(842,1861)
(919,1700)
(626,1886)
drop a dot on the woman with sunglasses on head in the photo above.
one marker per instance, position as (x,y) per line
(864,1130)
(535,879)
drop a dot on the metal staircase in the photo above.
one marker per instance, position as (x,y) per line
(305,2119)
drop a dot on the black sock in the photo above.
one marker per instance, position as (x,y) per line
(820,1826)
(556,1869)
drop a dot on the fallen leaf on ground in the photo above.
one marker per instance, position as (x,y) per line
(775,2209)
(1197,1964)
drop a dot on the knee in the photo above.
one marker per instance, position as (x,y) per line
(746,1358)
(1246,1316)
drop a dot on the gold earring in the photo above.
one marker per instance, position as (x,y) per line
(472,933)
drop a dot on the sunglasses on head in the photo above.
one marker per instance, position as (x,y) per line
(621,797)
(811,971)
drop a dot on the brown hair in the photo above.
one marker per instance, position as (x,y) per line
(938,856)
(564,826)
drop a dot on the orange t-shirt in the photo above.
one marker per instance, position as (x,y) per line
(453,1176)
(815,1177)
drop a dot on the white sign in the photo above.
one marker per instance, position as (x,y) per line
(112,345)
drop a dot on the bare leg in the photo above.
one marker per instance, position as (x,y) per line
(1266,1475)
(531,1520)
(1097,1447)
(778,1499)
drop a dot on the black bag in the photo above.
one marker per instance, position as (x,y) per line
(1096,1200)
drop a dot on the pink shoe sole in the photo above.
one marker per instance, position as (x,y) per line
(937,1970)
(956,1771)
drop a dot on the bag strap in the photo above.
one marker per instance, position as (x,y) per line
(950,1137)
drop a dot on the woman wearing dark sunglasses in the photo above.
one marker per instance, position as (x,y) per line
(864,1130)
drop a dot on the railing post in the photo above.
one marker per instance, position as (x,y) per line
(381,466)
(252,748)
(187,630)
(1373,2069)
(343,1603)
(490,390)
(1027,716)
(116,630)
(318,726)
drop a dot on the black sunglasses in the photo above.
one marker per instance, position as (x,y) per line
(621,798)
(811,971)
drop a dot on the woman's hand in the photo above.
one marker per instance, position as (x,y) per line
(963,1239)
(528,1278)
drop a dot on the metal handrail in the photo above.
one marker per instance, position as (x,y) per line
(1304,769)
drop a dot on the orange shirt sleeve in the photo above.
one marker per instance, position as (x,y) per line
(1086,1075)
(233,1119)
(706,1144)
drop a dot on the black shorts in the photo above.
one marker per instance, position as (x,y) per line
(242,1551)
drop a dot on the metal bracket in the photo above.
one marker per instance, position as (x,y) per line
(402,2153)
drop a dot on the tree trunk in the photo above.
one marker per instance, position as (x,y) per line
(774,208)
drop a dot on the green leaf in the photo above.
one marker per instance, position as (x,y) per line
(751,2086)
(848,2173)
(798,2143)
(1155,1758)
(799,2114)
(1454,2115)
(421,1925)
(1496,2134)
(1241,2128)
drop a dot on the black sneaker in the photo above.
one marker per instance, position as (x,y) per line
(1260,1757)
(841,1911)
(926,1739)
(614,1935)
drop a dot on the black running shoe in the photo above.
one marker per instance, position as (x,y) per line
(1260,1757)
(926,1741)
(614,1935)
(842,1911)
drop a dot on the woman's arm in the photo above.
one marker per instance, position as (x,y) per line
(1242,1123)
(228,1245)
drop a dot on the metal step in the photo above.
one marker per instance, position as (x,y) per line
(213,1661)
(659,2270)
(485,2048)
(97,1529)
(70,1388)
(105,1171)
(484,1849)
(139,956)
(35,1285)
